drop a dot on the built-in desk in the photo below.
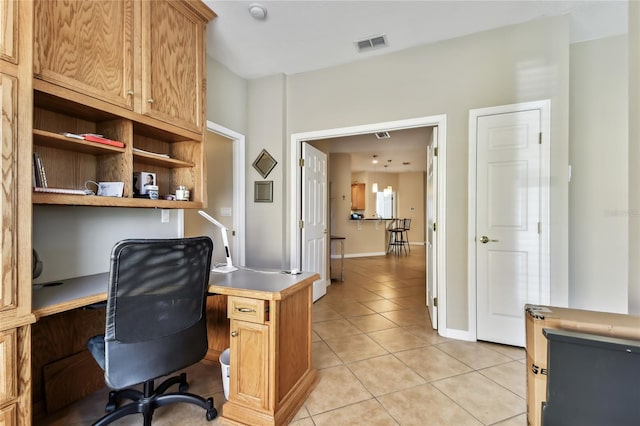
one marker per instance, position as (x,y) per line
(264,316)
(68,294)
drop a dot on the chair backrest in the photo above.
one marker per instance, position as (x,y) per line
(406,224)
(156,308)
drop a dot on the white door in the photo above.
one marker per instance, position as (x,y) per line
(314,216)
(431,209)
(508,217)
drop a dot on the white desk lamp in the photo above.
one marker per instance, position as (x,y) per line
(223,230)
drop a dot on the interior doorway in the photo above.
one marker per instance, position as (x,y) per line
(224,162)
(509,163)
(297,189)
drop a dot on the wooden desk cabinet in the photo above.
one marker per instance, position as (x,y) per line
(271,371)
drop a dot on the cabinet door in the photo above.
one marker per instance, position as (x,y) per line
(8,200)
(8,30)
(249,364)
(8,366)
(86,46)
(357,196)
(172,64)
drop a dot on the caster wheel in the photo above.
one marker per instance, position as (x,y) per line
(212,414)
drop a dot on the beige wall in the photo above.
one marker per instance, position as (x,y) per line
(411,204)
(515,64)
(634,158)
(226,97)
(599,194)
(265,243)
(218,152)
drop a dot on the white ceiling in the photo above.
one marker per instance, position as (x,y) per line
(299,36)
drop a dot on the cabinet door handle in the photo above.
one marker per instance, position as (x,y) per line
(150,100)
(245,310)
(130,92)
(234,333)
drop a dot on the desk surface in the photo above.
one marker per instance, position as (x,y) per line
(53,298)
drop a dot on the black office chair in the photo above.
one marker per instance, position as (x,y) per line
(155,323)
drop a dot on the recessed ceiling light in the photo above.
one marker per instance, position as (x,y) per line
(258,11)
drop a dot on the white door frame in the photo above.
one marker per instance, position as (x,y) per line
(545,172)
(239,203)
(295,152)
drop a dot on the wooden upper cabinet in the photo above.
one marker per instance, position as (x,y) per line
(357,196)
(173,64)
(86,46)
(8,30)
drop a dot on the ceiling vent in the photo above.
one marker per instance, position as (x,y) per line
(382,135)
(372,43)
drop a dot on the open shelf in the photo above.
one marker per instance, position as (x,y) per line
(93,200)
(55,140)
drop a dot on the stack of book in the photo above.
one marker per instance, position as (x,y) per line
(39,175)
(93,137)
(40,180)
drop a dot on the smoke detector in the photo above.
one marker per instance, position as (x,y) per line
(258,11)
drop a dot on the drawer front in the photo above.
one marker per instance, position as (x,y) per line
(245,309)
(8,365)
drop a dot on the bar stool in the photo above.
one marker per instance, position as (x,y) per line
(405,237)
(397,243)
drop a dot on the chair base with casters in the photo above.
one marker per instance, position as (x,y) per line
(146,401)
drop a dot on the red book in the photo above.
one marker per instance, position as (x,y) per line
(95,138)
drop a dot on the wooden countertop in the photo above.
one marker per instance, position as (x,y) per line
(64,295)
(265,284)
(72,293)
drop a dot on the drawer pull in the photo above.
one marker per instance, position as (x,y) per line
(245,310)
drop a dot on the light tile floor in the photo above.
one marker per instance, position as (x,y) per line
(379,362)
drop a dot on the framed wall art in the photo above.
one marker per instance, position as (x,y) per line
(263,191)
(264,163)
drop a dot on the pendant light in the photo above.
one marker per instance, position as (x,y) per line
(374,187)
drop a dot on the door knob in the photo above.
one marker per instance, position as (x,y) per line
(484,240)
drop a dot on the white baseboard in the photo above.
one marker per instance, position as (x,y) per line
(453,333)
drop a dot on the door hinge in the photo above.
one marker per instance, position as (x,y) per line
(539,228)
(435,151)
(540,138)
(301,224)
(435,228)
(435,302)
(301,162)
